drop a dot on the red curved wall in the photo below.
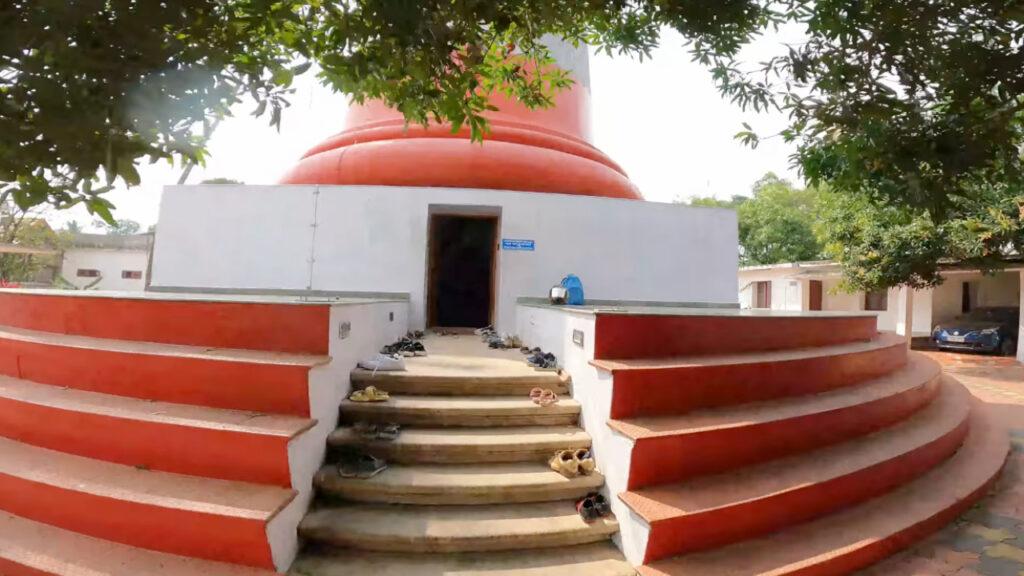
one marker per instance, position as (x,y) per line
(526,150)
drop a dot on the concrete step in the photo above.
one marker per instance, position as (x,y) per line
(187,515)
(456,484)
(29,548)
(273,382)
(656,334)
(451,375)
(453,528)
(674,448)
(599,559)
(459,411)
(468,445)
(849,540)
(713,511)
(208,442)
(209,320)
(672,386)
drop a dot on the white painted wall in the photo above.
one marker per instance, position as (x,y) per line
(788,293)
(552,330)
(372,326)
(922,312)
(931,307)
(374,239)
(110,263)
(1000,289)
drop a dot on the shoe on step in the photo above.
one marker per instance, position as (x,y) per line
(361,466)
(601,504)
(383,363)
(388,431)
(587,510)
(366,430)
(587,464)
(564,462)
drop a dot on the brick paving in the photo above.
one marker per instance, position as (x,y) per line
(989,539)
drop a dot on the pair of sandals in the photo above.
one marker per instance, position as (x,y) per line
(360,465)
(572,463)
(543,397)
(406,347)
(592,507)
(369,394)
(387,431)
(543,361)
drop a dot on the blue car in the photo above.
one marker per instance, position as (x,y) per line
(981,330)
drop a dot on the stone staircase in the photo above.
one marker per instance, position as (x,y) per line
(468,489)
(153,435)
(801,446)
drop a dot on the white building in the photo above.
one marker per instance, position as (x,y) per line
(815,286)
(107,261)
(463,229)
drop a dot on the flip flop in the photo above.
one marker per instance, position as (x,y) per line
(547,398)
(587,464)
(388,432)
(375,395)
(536,394)
(367,430)
(360,396)
(565,463)
(361,466)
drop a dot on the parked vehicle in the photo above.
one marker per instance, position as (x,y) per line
(994,329)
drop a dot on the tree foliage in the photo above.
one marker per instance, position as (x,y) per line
(882,244)
(776,223)
(27,229)
(91,87)
(913,106)
(120,227)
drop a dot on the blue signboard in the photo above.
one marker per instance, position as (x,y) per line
(510,244)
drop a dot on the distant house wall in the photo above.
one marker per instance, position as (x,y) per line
(999,289)
(787,293)
(111,265)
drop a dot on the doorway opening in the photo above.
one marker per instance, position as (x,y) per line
(462,255)
(815,296)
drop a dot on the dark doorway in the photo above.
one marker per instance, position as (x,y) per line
(815,294)
(460,293)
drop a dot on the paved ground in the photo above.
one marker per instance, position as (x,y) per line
(988,540)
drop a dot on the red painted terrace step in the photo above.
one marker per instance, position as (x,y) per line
(678,385)
(35,549)
(197,320)
(209,442)
(713,511)
(851,539)
(673,448)
(148,435)
(187,515)
(633,336)
(261,381)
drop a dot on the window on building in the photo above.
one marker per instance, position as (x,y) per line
(763,294)
(131,274)
(965,298)
(88,273)
(877,300)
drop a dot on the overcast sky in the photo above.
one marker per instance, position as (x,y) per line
(662,120)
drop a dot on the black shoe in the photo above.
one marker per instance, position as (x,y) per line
(587,510)
(601,504)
